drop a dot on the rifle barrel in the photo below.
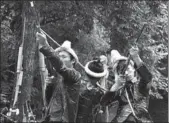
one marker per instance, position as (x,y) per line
(129,57)
(140,33)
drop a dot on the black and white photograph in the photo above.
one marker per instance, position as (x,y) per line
(84,61)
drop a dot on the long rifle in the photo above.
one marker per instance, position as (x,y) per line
(129,57)
(108,94)
(14,111)
(19,67)
(123,72)
(42,67)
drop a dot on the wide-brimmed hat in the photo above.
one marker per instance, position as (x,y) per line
(96,69)
(116,57)
(66,46)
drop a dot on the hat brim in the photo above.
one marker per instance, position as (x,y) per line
(69,50)
(120,59)
(93,74)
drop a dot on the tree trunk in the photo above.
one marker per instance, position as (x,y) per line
(29,54)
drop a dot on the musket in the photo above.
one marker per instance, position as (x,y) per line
(123,72)
(13,111)
(42,66)
(110,94)
(19,67)
(129,57)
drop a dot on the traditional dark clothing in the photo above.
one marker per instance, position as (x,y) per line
(138,94)
(89,105)
(64,102)
(90,110)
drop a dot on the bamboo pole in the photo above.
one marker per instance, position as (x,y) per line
(44,74)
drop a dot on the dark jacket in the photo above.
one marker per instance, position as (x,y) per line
(88,103)
(64,101)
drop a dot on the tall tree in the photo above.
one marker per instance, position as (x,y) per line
(29,54)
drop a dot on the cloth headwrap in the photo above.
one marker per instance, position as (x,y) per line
(97,68)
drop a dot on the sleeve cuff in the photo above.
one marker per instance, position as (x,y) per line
(46,50)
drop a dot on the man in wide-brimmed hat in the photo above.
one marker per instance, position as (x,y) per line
(64,101)
(92,90)
(131,87)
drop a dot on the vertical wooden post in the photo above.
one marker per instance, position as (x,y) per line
(29,53)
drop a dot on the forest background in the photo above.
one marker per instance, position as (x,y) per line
(93,27)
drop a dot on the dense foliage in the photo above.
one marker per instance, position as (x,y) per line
(93,27)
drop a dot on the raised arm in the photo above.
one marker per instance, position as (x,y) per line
(142,70)
(70,75)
